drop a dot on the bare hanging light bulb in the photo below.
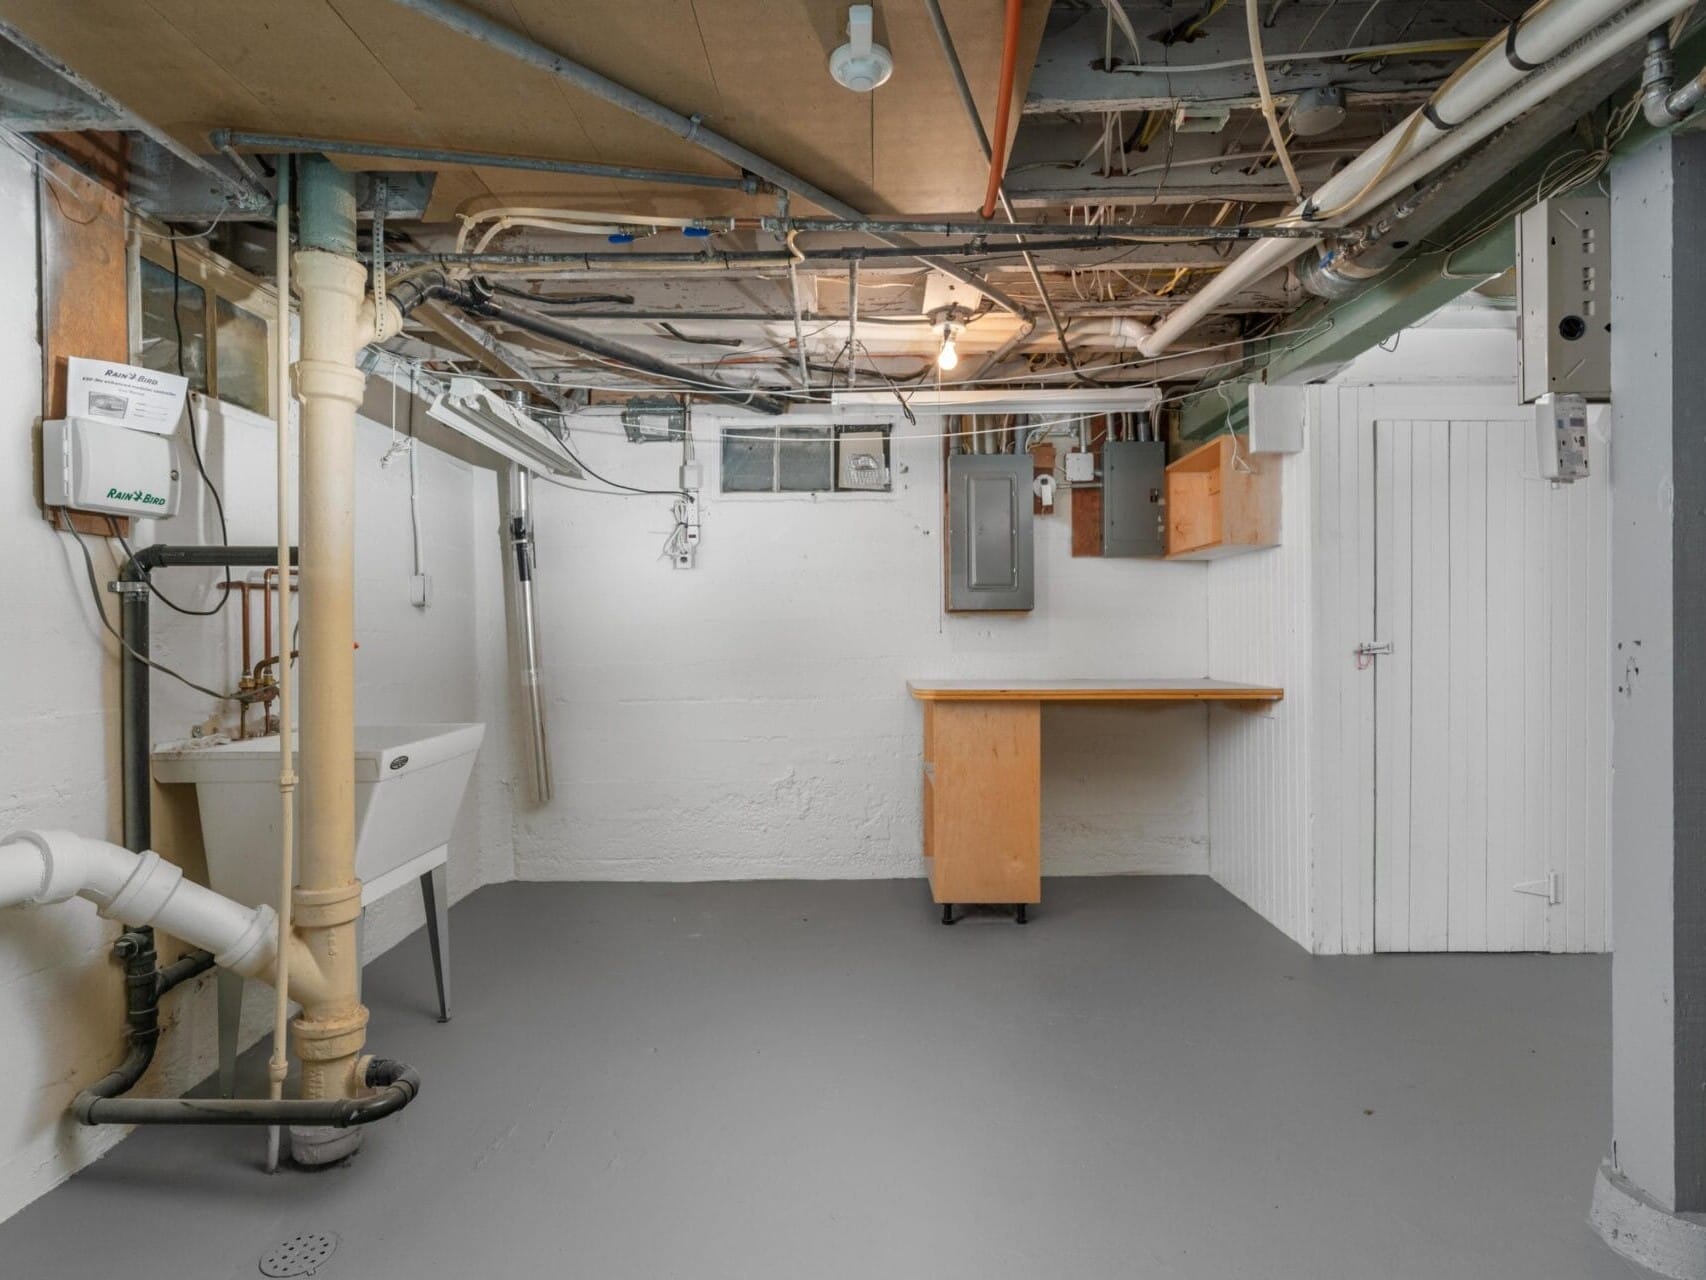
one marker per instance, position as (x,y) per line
(948,357)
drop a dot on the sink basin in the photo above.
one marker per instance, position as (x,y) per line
(409,783)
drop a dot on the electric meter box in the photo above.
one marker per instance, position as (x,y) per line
(1561,437)
(1563,265)
(98,466)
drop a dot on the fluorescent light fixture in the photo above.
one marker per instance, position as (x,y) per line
(471,409)
(982,400)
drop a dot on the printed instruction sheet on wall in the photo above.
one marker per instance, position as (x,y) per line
(124,393)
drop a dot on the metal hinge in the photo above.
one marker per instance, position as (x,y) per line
(1551,888)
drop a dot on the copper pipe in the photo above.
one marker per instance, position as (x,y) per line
(1003,107)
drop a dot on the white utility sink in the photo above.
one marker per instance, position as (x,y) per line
(409,784)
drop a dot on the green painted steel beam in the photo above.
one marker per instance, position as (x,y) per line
(1414,290)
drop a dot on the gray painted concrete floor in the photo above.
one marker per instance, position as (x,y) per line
(816,1080)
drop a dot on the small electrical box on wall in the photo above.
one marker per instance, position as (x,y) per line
(99,466)
(1563,264)
(1561,438)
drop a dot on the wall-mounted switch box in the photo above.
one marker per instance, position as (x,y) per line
(1563,264)
(1134,496)
(1080,467)
(990,556)
(1561,438)
(98,466)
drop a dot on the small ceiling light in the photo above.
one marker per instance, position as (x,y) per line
(950,322)
(860,65)
(1317,111)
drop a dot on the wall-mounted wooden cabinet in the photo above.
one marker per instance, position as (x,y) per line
(1221,500)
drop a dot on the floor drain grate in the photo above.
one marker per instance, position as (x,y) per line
(301,1255)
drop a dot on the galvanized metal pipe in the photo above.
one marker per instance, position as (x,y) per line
(524,628)
(478,27)
(287,143)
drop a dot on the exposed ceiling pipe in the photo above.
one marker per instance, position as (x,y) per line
(282,143)
(1661,105)
(239,188)
(968,104)
(476,303)
(1341,269)
(480,28)
(1015,12)
(1059,230)
(1564,39)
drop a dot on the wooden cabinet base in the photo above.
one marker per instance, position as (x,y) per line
(983,801)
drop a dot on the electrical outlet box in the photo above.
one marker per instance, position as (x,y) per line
(1563,257)
(1080,467)
(1561,437)
(98,466)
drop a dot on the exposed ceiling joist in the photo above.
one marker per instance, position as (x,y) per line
(1070,74)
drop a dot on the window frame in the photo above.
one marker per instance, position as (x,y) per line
(218,278)
(835,427)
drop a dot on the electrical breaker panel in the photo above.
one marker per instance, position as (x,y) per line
(1563,256)
(1134,495)
(1561,438)
(990,556)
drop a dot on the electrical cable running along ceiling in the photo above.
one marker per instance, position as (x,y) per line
(1132,115)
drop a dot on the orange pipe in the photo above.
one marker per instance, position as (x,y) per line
(1003,106)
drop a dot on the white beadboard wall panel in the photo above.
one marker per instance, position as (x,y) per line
(1512,776)
(1341,733)
(1259,760)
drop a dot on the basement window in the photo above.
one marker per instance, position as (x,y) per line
(778,459)
(225,317)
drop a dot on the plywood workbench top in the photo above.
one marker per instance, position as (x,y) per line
(1143,689)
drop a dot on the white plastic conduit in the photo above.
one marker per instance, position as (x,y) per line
(1473,107)
(137,889)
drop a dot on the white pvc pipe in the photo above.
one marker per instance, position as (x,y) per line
(1465,105)
(137,889)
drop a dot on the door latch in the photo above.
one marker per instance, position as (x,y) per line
(1369,650)
(1551,888)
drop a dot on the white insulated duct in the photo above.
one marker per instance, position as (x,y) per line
(1470,109)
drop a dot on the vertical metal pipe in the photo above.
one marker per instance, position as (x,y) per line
(853,324)
(278,1065)
(134,716)
(524,628)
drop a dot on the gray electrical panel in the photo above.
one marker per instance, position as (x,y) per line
(1134,494)
(990,559)
(1563,274)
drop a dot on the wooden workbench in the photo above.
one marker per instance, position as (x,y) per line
(983,775)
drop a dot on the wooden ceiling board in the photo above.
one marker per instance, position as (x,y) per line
(928,158)
(371,70)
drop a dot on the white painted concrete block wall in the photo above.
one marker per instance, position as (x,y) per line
(750,718)
(61,1008)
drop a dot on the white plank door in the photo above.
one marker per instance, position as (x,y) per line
(1491,710)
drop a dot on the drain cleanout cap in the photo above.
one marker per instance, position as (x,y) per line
(301,1255)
